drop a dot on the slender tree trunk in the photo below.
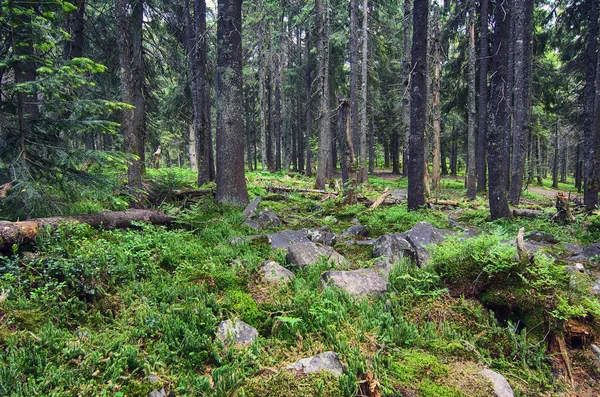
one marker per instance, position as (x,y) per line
(472,133)
(371,141)
(483,97)
(307,91)
(555,161)
(510,82)
(437,109)
(497,117)
(454,151)
(418,98)
(75,26)
(248,129)
(521,88)
(324,166)
(579,168)
(192,147)
(262,76)
(354,72)
(278,135)
(395,152)
(590,176)
(386,154)
(406,72)
(363,176)
(231,181)
(129,22)
(563,159)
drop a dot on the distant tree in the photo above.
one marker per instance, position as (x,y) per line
(591,177)
(231,180)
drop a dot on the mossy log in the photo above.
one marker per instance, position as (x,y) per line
(25,232)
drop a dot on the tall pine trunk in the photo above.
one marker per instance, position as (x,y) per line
(231,181)
(590,175)
(471,133)
(483,96)
(406,69)
(497,117)
(418,98)
(307,93)
(437,109)
(324,167)
(362,175)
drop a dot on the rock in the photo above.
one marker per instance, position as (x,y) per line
(358,283)
(577,268)
(251,208)
(248,239)
(587,253)
(367,241)
(284,238)
(304,254)
(322,235)
(596,288)
(572,249)
(391,248)
(537,235)
(399,194)
(273,272)
(421,235)
(158,393)
(501,386)
(356,231)
(327,362)
(266,218)
(237,331)
(596,350)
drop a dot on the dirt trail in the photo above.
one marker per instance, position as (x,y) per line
(551,194)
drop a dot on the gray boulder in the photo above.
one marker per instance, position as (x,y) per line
(327,362)
(421,235)
(399,194)
(596,351)
(391,248)
(501,386)
(236,331)
(358,283)
(537,235)
(356,231)
(274,273)
(284,238)
(266,218)
(322,235)
(304,254)
(251,208)
(586,254)
(576,268)
(596,287)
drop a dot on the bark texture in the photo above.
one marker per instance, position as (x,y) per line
(231,181)
(418,98)
(324,168)
(471,133)
(483,96)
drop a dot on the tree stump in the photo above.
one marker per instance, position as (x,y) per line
(563,212)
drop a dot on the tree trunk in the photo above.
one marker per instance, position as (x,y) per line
(133,127)
(563,159)
(454,152)
(578,168)
(437,110)
(472,133)
(555,160)
(324,166)
(483,97)
(371,141)
(192,147)
(406,70)
(395,152)
(363,176)
(307,91)
(231,181)
(75,25)
(590,176)
(354,73)
(521,93)
(262,76)
(25,232)
(497,117)
(418,98)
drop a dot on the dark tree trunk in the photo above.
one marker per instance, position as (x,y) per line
(472,133)
(231,181)
(563,159)
(395,152)
(406,69)
(75,25)
(555,160)
(363,176)
(248,127)
(483,97)
(386,154)
(418,99)
(454,152)
(133,127)
(307,92)
(277,115)
(497,118)
(590,176)
(371,141)
(521,93)
(324,169)
(354,73)
(579,168)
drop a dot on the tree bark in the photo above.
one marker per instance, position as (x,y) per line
(75,25)
(354,73)
(307,91)
(25,232)
(472,133)
(590,176)
(363,176)
(418,98)
(521,92)
(555,161)
(130,22)
(192,147)
(406,70)
(437,109)
(324,169)
(231,181)
(497,117)
(483,97)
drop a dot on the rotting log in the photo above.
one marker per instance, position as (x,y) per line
(381,198)
(282,189)
(25,232)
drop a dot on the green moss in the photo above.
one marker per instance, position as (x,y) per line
(288,384)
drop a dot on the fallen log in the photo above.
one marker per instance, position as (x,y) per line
(282,189)
(528,213)
(25,232)
(451,203)
(381,198)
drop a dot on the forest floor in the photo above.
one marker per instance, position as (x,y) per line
(132,312)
